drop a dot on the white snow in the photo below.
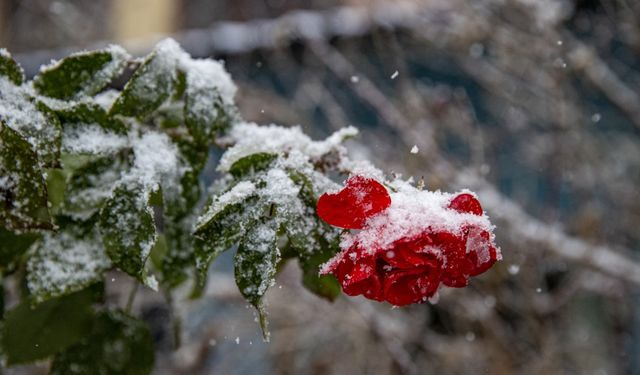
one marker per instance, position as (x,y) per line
(156,161)
(63,263)
(91,139)
(22,115)
(251,138)
(415,149)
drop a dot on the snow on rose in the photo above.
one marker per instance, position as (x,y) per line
(408,242)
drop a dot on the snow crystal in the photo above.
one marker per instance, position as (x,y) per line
(63,263)
(415,149)
(395,75)
(91,139)
(513,269)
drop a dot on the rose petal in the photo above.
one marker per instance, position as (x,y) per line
(466,203)
(350,208)
(403,287)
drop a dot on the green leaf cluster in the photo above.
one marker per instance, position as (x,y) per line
(95,178)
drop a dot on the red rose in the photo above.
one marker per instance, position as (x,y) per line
(397,257)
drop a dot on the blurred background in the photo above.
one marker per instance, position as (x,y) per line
(534,104)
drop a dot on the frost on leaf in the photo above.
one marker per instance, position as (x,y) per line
(9,68)
(23,194)
(65,262)
(151,84)
(208,98)
(81,74)
(32,119)
(255,265)
(128,231)
(116,344)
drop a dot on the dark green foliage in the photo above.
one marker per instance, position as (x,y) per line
(117,344)
(23,194)
(151,84)
(251,164)
(92,181)
(9,68)
(90,113)
(83,73)
(13,246)
(33,333)
(128,230)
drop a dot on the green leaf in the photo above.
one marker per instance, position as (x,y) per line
(205,113)
(88,187)
(251,164)
(221,230)
(118,344)
(255,265)
(195,156)
(178,253)
(65,262)
(151,84)
(33,333)
(128,231)
(325,286)
(47,141)
(23,193)
(90,113)
(84,73)
(10,68)
(12,246)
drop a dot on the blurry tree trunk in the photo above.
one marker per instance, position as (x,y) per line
(137,19)
(4,22)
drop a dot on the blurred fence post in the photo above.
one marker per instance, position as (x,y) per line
(137,19)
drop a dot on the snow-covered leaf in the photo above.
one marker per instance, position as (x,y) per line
(65,262)
(33,333)
(194,158)
(222,231)
(23,194)
(251,164)
(117,344)
(10,68)
(151,84)
(255,264)
(84,73)
(91,184)
(90,113)
(128,231)
(32,119)
(205,112)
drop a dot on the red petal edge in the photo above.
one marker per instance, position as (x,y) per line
(466,203)
(350,208)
